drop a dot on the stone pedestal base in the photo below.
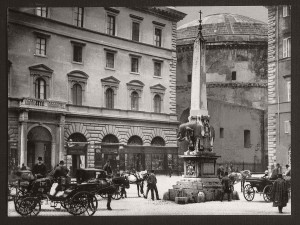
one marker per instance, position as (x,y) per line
(190,188)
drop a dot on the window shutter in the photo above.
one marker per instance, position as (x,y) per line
(289,47)
(79,95)
(284,48)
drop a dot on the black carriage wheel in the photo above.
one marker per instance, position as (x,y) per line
(17,201)
(92,205)
(117,194)
(29,206)
(248,192)
(267,193)
(79,203)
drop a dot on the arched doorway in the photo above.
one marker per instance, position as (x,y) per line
(159,160)
(77,148)
(136,160)
(39,145)
(109,151)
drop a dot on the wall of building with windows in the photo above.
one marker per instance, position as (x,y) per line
(279,87)
(68,76)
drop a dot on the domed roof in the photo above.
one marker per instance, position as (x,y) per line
(224,27)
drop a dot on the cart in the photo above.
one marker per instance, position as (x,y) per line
(258,185)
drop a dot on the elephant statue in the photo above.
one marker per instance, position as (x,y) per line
(199,134)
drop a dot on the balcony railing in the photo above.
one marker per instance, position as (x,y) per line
(42,104)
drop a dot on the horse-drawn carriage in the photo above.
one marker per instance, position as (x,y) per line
(258,185)
(77,197)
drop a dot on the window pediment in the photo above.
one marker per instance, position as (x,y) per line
(136,83)
(41,67)
(77,74)
(40,70)
(110,82)
(158,87)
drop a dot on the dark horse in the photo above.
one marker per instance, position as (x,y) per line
(137,178)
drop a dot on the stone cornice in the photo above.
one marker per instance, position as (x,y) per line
(229,85)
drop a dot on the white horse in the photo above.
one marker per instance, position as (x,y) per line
(137,178)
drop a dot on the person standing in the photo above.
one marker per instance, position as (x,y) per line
(107,168)
(220,172)
(61,170)
(288,171)
(39,170)
(151,185)
(275,172)
(279,193)
(170,170)
(23,167)
(226,185)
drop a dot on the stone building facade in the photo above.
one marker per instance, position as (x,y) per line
(90,84)
(236,75)
(279,85)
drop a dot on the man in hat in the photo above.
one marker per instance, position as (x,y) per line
(39,170)
(61,170)
(279,194)
(107,168)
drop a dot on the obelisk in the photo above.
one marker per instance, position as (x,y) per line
(198,89)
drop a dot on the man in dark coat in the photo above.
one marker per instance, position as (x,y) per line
(107,168)
(279,194)
(275,172)
(39,170)
(61,170)
(151,185)
(220,172)
(226,187)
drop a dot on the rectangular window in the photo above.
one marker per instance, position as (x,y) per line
(233,75)
(286,47)
(110,60)
(287,127)
(40,48)
(41,11)
(247,143)
(78,16)
(77,53)
(111,25)
(157,37)
(221,132)
(288,86)
(134,65)
(157,69)
(286,11)
(189,78)
(135,31)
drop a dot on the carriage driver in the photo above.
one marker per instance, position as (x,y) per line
(39,170)
(61,170)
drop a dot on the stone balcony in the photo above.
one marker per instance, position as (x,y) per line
(42,104)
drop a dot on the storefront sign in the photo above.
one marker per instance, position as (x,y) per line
(77,149)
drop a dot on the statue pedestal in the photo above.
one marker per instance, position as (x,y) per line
(200,182)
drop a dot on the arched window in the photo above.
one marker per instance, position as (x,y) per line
(77,94)
(40,88)
(135,140)
(109,94)
(158,141)
(134,101)
(157,104)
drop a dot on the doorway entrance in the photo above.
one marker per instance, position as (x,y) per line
(39,145)
(77,148)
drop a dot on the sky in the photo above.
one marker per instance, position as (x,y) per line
(255,12)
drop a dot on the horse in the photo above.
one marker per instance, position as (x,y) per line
(241,176)
(137,178)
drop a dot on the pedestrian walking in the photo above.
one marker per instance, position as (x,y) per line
(279,194)
(275,172)
(151,185)
(220,172)
(170,170)
(107,168)
(226,187)
(39,170)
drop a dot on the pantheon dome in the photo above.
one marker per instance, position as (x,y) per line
(224,27)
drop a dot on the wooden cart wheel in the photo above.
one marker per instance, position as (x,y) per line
(29,206)
(267,193)
(79,203)
(248,192)
(117,194)
(92,205)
